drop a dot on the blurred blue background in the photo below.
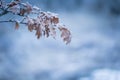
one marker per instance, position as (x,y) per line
(93,54)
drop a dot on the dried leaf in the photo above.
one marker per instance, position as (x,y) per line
(55,20)
(30,24)
(22,12)
(30,28)
(47,31)
(38,32)
(16,25)
(15,9)
(36,8)
(65,34)
(12,4)
(28,8)
(53,32)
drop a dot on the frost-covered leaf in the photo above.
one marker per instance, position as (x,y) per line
(13,3)
(22,12)
(16,25)
(15,9)
(47,31)
(38,32)
(36,8)
(55,20)
(53,32)
(28,8)
(30,24)
(65,34)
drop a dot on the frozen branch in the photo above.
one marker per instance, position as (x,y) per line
(12,21)
(45,23)
(3,13)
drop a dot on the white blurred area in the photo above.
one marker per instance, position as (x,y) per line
(103,74)
(106,74)
(89,49)
(93,53)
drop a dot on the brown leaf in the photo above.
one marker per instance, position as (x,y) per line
(22,12)
(30,27)
(55,20)
(38,32)
(16,25)
(30,24)
(12,4)
(65,34)
(47,30)
(28,8)
(53,32)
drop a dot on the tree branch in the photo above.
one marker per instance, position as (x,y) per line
(12,21)
(44,23)
(3,13)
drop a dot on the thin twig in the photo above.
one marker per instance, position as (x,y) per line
(12,21)
(3,13)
